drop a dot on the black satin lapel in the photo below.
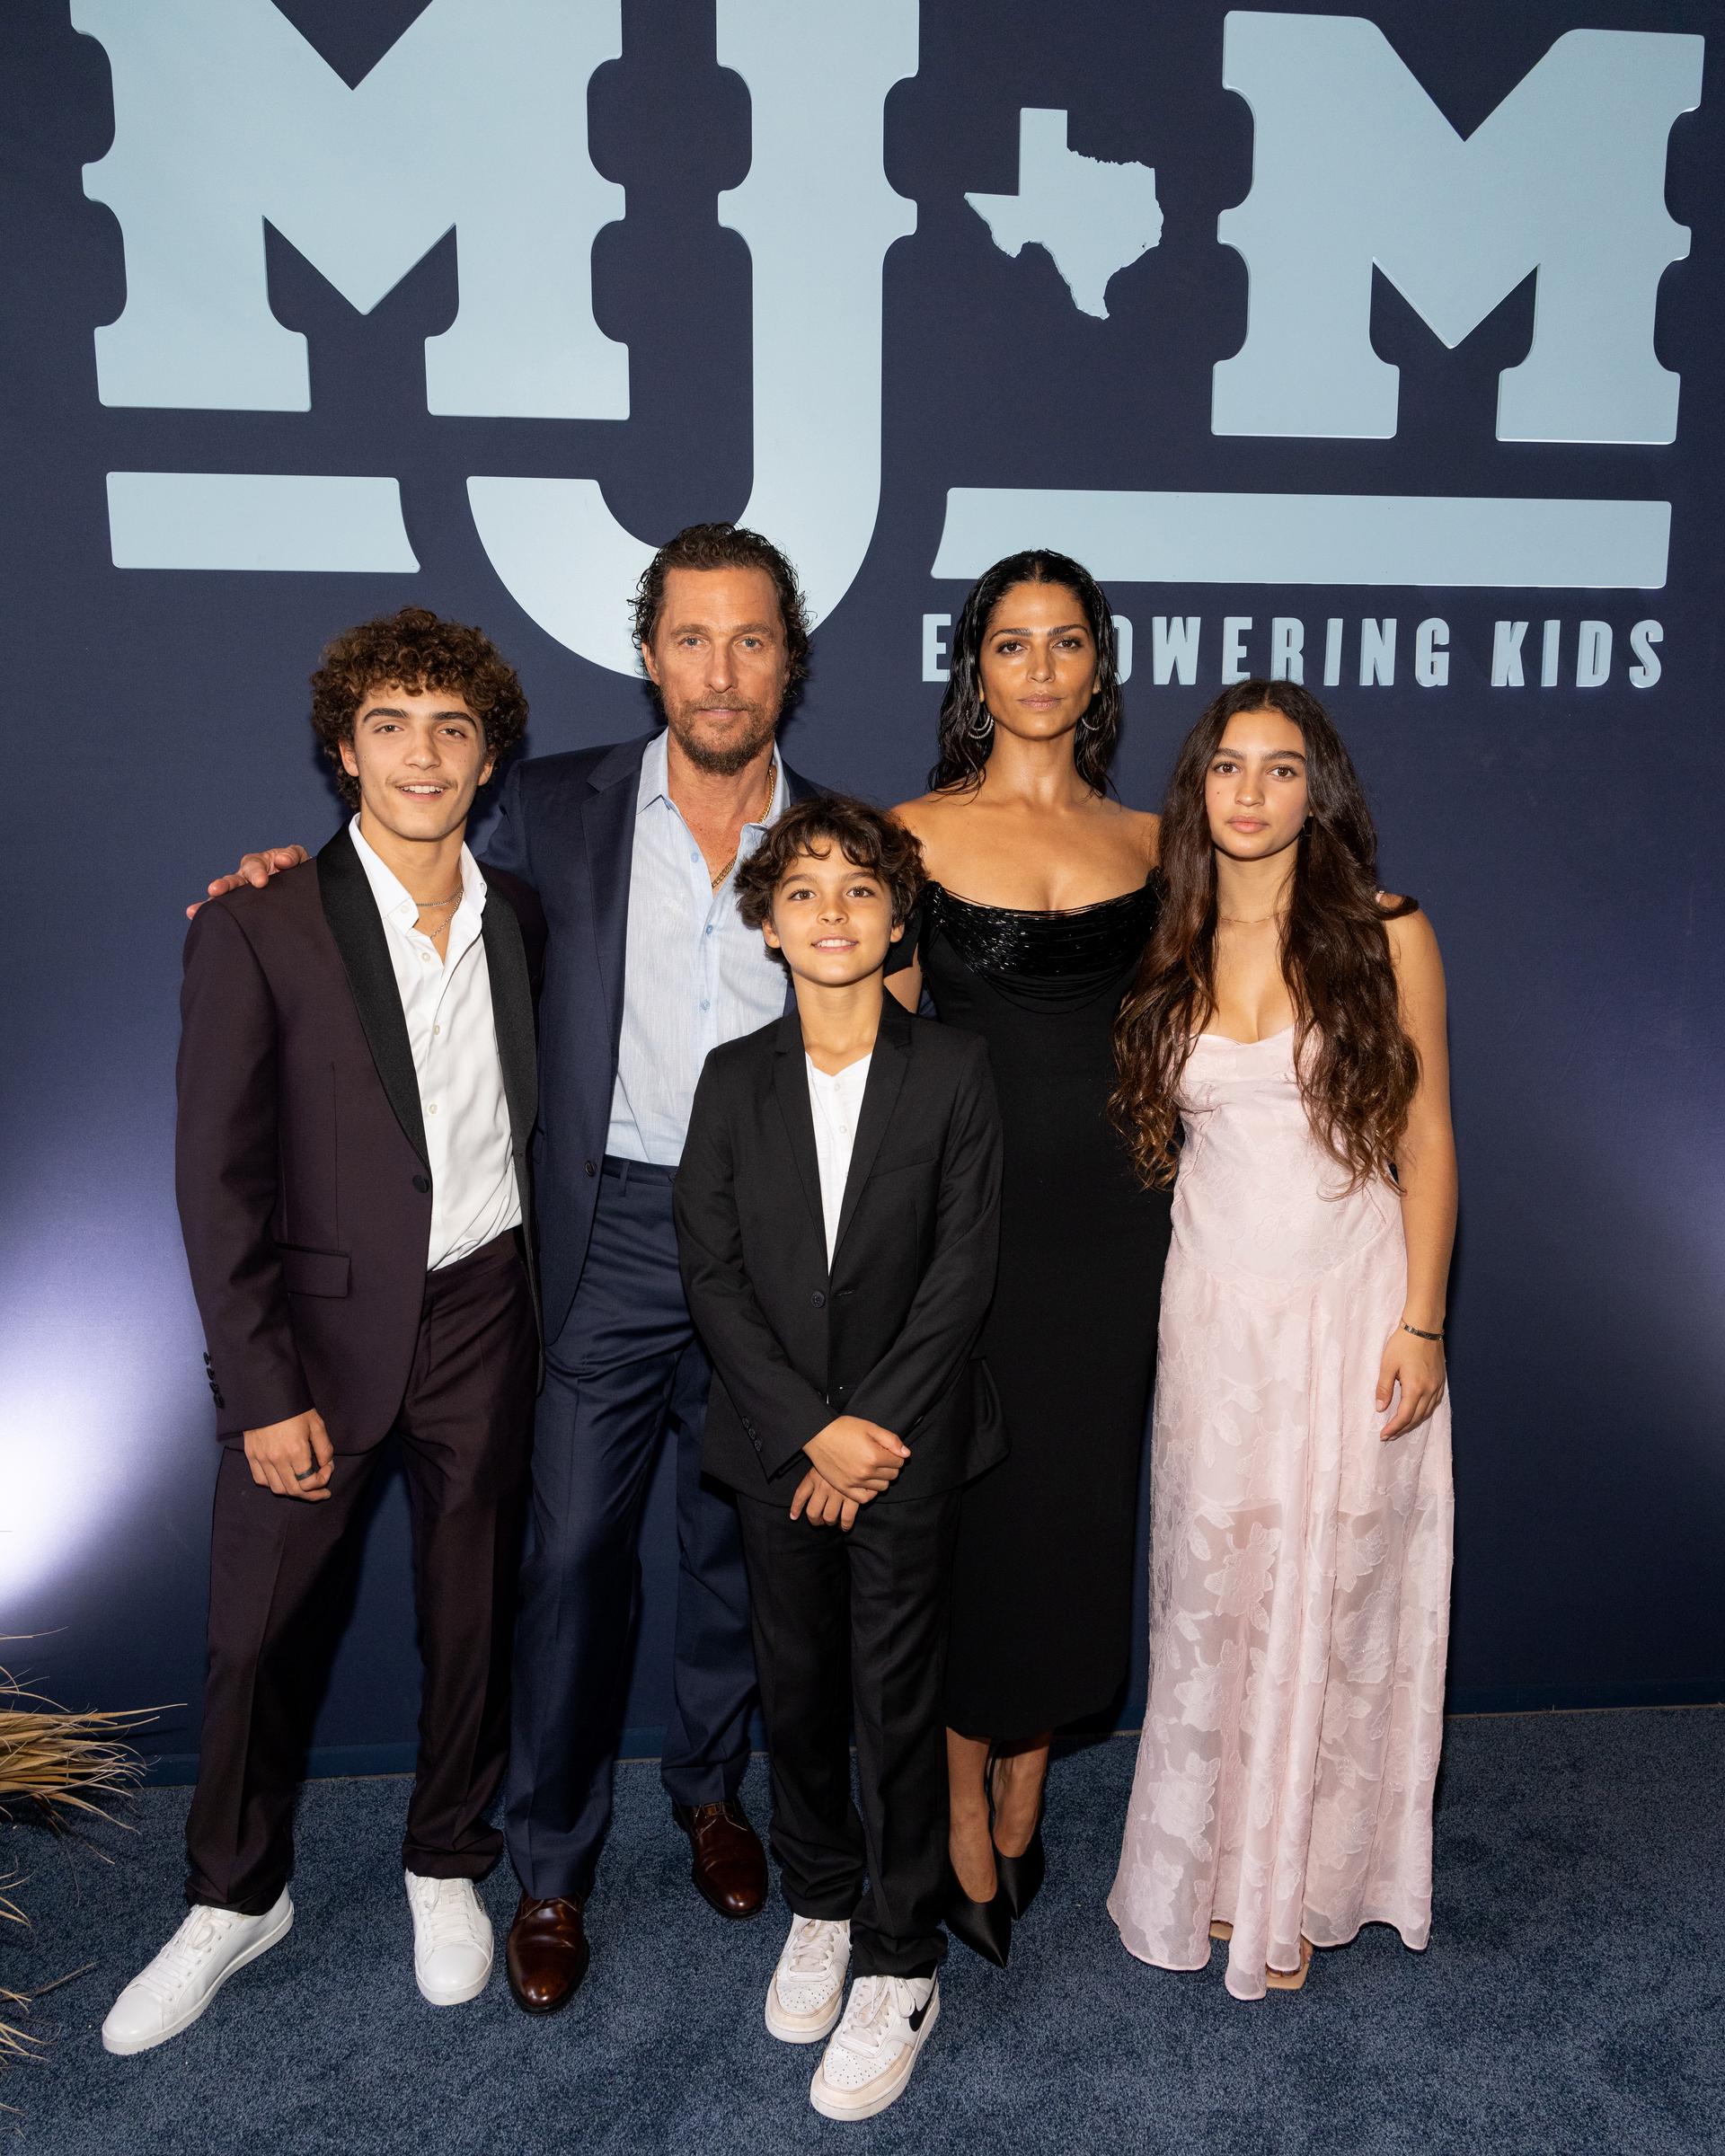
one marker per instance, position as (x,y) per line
(608,824)
(506,961)
(880,1097)
(357,928)
(790,1084)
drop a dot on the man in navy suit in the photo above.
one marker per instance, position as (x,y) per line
(633,850)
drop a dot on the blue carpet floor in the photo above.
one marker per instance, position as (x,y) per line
(1573,1999)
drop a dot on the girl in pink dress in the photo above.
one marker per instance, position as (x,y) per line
(1283,1049)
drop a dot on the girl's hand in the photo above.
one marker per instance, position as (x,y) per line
(1416,1367)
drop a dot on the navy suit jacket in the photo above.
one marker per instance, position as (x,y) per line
(566,825)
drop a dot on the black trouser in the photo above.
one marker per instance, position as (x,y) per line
(850,1631)
(281,1574)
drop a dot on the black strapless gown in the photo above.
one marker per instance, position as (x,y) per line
(1043,1575)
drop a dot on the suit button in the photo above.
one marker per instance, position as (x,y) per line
(818,1299)
(422,1183)
(590,1167)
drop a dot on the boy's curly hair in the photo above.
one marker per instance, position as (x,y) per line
(415,650)
(868,839)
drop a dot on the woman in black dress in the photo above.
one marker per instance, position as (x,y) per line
(1037,911)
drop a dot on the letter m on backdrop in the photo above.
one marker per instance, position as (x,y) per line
(474,120)
(1353,164)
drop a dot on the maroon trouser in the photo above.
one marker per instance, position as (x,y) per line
(281,1583)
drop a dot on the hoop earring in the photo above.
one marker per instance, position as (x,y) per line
(982,725)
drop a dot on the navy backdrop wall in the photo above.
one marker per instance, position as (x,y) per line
(906,287)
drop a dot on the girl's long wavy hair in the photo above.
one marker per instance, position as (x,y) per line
(1358,1069)
(962,751)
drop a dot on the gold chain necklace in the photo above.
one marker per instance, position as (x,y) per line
(766,803)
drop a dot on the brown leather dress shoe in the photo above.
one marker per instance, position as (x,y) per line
(730,1864)
(547,1953)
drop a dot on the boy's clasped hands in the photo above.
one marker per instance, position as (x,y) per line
(852,1461)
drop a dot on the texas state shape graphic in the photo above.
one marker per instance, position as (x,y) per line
(1094,218)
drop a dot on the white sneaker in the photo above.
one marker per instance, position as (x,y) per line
(807,1987)
(176,1987)
(867,2063)
(452,1939)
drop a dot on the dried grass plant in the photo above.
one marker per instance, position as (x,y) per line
(58,1764)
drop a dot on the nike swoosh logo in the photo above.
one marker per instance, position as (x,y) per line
(921,2014)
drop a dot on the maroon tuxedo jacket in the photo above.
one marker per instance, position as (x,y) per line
(300,1161)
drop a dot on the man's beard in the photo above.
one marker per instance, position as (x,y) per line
(725,760)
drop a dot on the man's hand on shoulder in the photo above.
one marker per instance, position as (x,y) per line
(858,1458)
(294,1458)
(255,868)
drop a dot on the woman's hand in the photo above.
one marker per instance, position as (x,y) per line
(1416,1367)
(821,1505)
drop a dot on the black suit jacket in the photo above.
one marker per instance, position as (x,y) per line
(566,825)
(889,1332)
(300,1157)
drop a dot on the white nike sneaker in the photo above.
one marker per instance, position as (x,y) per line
(867,2063)
(176,1987)
(807,1987)
(452,1939)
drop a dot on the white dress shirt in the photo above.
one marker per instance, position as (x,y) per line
(693,975)
(448,1004)
(836,1101)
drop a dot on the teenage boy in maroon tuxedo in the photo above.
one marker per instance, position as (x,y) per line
(356,1094)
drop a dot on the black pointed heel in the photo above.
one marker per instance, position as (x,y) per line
(1020,1877)
(985,1927)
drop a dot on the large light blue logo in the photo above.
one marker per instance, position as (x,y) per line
(225,116)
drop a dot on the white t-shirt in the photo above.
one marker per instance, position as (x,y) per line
(835,1103)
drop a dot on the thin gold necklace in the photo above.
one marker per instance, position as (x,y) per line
(766,804)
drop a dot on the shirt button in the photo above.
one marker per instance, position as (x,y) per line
(436,1029)
(709,928)
(706,1005)
(431,1109)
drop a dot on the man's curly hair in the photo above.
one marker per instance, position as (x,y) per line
(867,838)
(726,546)
(414,651)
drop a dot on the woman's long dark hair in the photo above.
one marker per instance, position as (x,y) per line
(962,750)
(1358,1069)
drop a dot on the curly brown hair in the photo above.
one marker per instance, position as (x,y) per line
(1358,1069)
(726,546)
(867,837)
(415,650)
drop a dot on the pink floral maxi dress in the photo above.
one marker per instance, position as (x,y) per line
(1299,1569)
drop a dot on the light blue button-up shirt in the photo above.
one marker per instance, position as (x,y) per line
(693,975)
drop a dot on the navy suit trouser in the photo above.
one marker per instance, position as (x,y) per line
(624,1370)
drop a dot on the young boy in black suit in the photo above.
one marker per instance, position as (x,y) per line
(837,1215)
